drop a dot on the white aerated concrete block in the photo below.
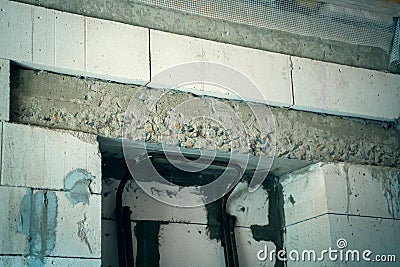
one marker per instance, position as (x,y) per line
(193,239)
(44,34)
(248,208)
(13,261)
(78,228)
(367,195)
(313,234)
(381,236)
(304,193)
(343,189)
(1,147)
(70,41)
(364,190)
(117,50)
(15,31)
(269,71)
(71,262)
(248,249)
(343,90)
(51,40)
(12,241)
(175,238)
(4,89)
(18,261)
(144,207)
(49,159)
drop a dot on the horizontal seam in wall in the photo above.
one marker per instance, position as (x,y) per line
(172,222)
(42,189)
(13,255)
(70,257)
(341,214)
(60,257)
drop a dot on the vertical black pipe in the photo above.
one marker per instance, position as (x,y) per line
(225,235)
(232,237)
(121,228)
(228,234)
(126,214)
(148,253)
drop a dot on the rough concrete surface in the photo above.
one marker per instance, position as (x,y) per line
(98,107)
(137,13)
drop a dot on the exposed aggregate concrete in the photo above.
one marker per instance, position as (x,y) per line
(98,107)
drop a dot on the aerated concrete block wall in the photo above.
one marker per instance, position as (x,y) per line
(50,179)
(50,185)
(47,39)
(343,207)
(194,232)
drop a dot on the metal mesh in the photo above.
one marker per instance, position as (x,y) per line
(395,51)
(304,17)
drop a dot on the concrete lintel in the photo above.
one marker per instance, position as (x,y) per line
(98,107)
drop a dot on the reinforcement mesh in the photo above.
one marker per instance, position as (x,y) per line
(304,17)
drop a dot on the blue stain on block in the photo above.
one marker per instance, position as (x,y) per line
(35,262)
(38,221)
(24,222)
(77,183)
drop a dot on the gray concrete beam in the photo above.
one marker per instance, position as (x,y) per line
(136,13)
(71,103)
